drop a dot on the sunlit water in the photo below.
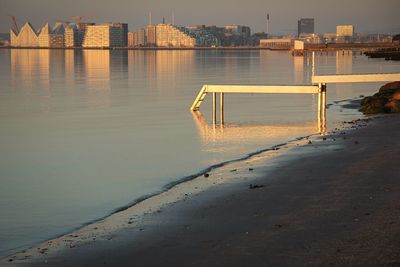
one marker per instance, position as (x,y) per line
(83,133)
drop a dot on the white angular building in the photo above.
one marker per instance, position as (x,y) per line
(26,37)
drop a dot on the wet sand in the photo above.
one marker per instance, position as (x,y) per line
(334,202)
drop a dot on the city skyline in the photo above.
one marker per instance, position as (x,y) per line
(370,17)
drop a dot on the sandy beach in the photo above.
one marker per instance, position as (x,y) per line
(328,200)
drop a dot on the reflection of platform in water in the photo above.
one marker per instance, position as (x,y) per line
(255,133)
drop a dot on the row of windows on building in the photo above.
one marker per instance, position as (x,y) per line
(88,35)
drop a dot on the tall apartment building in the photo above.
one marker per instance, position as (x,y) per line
(305,25)
(344,33)
(130,39)
(151,35)
(136,39)
(106,35)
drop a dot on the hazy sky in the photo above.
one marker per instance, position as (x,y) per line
(368,16)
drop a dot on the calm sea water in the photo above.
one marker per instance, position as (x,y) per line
(85,132)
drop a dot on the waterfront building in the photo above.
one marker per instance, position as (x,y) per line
(4,39)
(52,38)
(83,25)
(374,38)
(236,35)
(345,33)
(73,36)
(105,35)
(130,39)
(298,45)
(203,37)
(137,39)
(310,38)
(229,35)
(305,25)
(243,31)
(277,43)
(26,37)
(168,35)
(329,37)
(151,35)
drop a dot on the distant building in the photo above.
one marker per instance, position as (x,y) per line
(130,39)
(329,37)
(236,35)
(258,36)
(26,37)
(310,38)
(105,35)
(374,38)
(305,25)
(83,25)
(151,35)
(345,33)
(73,36)
(277,43)
(168,35)
(4,39)
(52,38)
(243,31)
(203,37)
(298,45)
(136,39)
(229,35)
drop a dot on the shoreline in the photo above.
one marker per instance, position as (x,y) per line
(170,193)
(187,187)
(316,48)
(317,204)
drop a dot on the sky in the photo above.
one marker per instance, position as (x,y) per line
(368,16)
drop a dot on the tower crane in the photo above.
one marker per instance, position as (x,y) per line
(14,21)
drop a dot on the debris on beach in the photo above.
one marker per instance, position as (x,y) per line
(255,186)
(206,175)
(251,169)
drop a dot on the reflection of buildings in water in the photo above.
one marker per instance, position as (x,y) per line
(253,133)
(69,57)
(97,77)
(344,62)
(30,68)
(164,68)
(298,63)
(97,69)
(344,65)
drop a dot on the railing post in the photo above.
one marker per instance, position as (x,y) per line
(214,107)
(221,110)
